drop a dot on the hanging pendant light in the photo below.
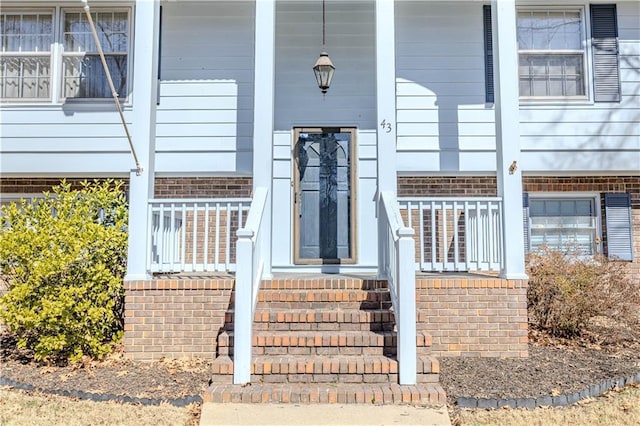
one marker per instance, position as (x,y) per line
(324,68)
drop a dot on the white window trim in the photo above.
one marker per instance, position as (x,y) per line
(56,98)
(587,98)
(594,196)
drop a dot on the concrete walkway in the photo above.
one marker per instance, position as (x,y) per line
(321,414)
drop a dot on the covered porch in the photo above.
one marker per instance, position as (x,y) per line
(396,238)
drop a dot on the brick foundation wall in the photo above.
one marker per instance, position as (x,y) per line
(175,318)
(475,317)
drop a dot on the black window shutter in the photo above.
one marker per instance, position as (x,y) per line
(525,222)
(159,57)
(604,42)
(488,54)
(619,239)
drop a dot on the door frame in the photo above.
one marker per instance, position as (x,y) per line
(353,199)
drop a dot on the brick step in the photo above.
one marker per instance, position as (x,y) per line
(381,295)
(430,394)
(313,319)
(324,299)
(322,342)
(314,282)
(325,369)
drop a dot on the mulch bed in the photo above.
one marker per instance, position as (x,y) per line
(554,366)
(165,379)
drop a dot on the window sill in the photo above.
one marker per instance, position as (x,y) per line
(543,102)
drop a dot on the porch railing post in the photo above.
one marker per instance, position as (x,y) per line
(407,357)
(243,309)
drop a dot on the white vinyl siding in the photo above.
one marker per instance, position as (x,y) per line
(443,122)
(205,111)
(25,55)
(350,42)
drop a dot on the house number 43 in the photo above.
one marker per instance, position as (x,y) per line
(386,126)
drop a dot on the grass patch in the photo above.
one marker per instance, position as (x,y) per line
(614,408)
(19,408)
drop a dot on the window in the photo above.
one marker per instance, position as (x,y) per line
(25,58)
(83,73)
(551,52)
(54,48)
(561,223)
(6,199)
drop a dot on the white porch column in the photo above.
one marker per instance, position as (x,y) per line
(263,114)
(505,69)
(386,95)
(385,107)
(143,132)
(387,182)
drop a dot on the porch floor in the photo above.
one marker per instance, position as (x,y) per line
(322,275)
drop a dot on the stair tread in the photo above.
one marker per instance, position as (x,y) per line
(328,393)
(323,332)
(322,315)
(315,310)
(321,358)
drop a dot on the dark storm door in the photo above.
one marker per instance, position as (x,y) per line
(324,196)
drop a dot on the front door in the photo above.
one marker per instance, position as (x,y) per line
(324,196)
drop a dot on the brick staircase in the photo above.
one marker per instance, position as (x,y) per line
(324,339)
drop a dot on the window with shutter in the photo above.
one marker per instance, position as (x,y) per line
(604,42)
(618,220)
(552,53)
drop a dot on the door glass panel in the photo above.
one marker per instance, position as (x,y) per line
(323,162)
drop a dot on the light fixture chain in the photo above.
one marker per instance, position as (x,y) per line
(323,27)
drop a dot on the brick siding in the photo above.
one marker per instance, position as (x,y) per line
(472,316)
(165,187)
(40,185)
(175,318)
(203,187)
(447,186)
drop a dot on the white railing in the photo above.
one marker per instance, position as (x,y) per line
(194,235)
(456,234)
(397,252)
(248,279)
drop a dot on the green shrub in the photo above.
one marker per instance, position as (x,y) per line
(63,258)
(567,290)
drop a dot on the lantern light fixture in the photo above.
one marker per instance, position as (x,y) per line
(324,68)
